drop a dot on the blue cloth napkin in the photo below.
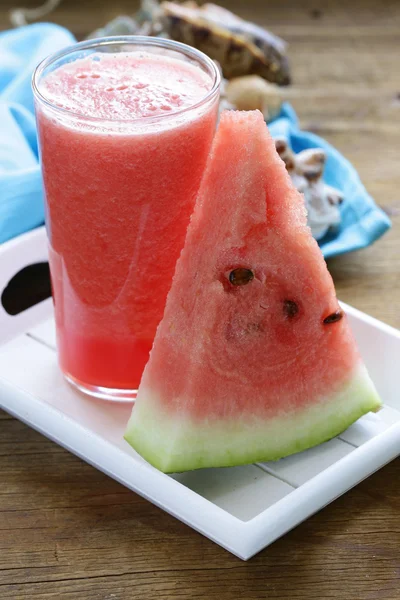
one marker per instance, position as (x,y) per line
(362,221)
(21,195)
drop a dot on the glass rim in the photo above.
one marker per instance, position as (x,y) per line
(142,40)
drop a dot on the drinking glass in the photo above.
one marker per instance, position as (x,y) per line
(119,193)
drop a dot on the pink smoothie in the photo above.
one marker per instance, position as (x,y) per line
(119,195)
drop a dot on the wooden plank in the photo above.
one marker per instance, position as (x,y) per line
(123,545)
(370,425)
(244,492)
(299,468)
(45,333)
(101,542)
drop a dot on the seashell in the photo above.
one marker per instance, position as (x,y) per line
(306,171)
(241,48)
(252,92)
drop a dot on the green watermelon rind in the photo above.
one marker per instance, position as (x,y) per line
(154,433)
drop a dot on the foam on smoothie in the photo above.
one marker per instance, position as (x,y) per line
(125,87)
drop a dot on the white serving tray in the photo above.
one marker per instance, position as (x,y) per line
(243,509)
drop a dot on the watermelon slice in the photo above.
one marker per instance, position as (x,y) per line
(254,359)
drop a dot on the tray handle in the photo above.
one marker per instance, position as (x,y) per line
(21,257)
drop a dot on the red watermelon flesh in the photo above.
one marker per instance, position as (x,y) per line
(254,359)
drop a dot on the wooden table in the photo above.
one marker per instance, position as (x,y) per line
(68,532)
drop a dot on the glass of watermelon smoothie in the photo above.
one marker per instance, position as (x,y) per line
(125,125)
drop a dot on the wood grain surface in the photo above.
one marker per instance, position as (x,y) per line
(68,532)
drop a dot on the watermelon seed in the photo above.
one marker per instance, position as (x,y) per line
(290,308)
(333,318)
(241,276)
